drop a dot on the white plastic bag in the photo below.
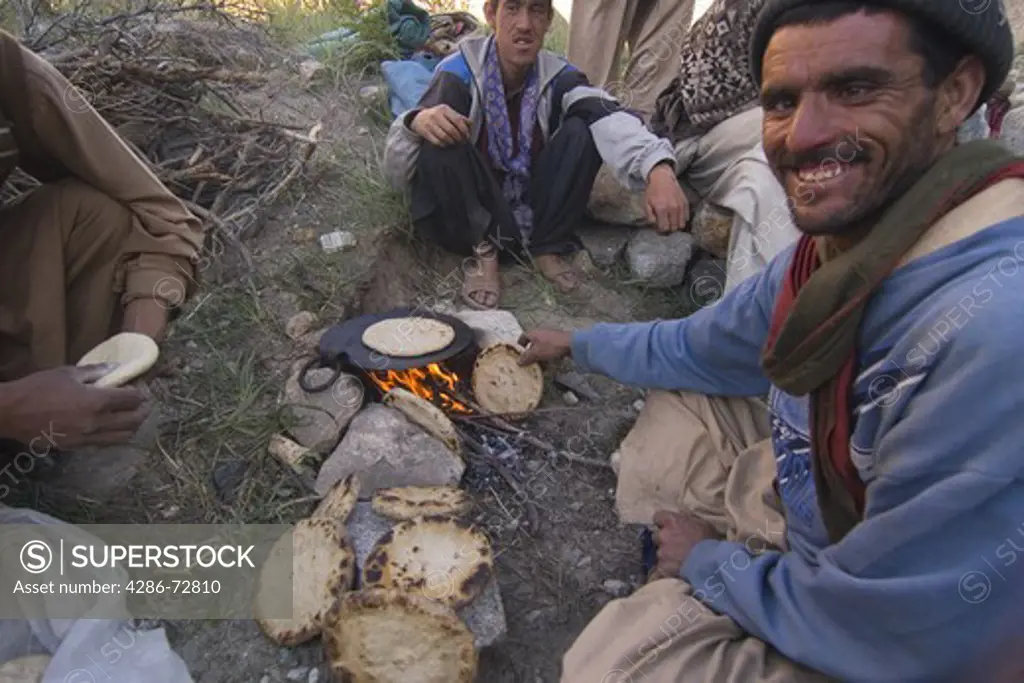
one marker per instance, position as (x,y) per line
(87,650)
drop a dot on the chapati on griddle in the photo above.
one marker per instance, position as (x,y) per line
(408,337)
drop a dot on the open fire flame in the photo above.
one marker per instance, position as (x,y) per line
(430,382)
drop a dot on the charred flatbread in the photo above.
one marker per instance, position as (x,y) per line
(425,414)
(439,558)
(387,636)
(501,385)
(323,568)
(408,337)
(340,500)
(409,502)
(131,354)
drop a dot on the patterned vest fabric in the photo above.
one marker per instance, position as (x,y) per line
(714,81)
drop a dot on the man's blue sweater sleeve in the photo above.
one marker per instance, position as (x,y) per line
(717,350)
(933,576)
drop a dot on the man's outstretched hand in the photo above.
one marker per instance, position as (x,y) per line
(545,345)
(58,408)
(677,534)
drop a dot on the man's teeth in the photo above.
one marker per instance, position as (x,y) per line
(819,174)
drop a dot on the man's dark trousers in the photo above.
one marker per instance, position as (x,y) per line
(457,202)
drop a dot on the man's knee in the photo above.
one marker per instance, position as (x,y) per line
(86,214)
(73,214)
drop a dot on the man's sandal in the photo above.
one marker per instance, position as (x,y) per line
(480,288)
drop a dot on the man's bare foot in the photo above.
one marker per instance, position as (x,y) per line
(481,287)
(559,272)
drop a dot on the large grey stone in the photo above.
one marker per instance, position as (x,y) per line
(711,226)
(492,327)
(96,473)
(605,243)
(612,203)
(659,260)
(485,616)
(385,449)
(320,417)
(705,281)
(1012,134)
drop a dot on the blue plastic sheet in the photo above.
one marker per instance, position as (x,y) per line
(407,80)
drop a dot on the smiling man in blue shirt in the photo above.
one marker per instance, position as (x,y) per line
(867,526)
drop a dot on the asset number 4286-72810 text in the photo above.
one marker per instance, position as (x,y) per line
(173,586)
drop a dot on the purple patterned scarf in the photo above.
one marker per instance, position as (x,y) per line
(500,144)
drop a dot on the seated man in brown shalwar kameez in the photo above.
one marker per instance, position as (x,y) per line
(99,248)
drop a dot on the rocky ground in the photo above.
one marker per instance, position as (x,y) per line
(230,355)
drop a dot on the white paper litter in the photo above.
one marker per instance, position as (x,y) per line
(337,240)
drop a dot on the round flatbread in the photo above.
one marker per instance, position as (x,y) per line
(501,385)
(425,414)
(28,669)
(408,337)
(439,558)
(387,636)
(132,355)
(410,502)
(341,499)
(323,568)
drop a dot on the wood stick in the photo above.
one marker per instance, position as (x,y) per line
(479,451)
(548,449)
(223,230)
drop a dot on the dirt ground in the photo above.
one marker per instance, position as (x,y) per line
(228,356)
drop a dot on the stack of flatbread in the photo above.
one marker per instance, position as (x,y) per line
(401,626)
(323,566)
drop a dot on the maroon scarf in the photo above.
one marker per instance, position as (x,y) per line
(811,347)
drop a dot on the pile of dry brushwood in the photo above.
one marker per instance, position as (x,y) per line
(166,83)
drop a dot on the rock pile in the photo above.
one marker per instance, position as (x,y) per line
(349,451)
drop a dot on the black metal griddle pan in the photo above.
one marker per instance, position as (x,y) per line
(342,348)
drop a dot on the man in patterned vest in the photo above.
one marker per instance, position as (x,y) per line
(99,248)
(711,113)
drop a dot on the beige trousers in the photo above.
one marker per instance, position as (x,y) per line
(655,31)
(712,456)
(60,254)
(727,167)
